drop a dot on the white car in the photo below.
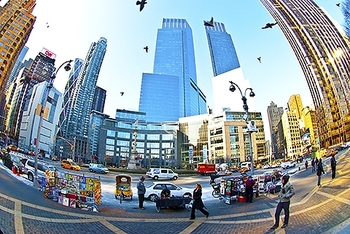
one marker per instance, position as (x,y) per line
(154,190)
(288,164)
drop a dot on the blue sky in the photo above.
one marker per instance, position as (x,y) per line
(73,25)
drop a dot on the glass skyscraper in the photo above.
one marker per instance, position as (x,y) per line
(226,68)
(75,126)
(222,50)
(323,55)
(171,91)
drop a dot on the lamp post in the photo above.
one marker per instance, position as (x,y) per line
(247,120)
(41,106)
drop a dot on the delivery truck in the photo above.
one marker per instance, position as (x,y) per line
(206,168)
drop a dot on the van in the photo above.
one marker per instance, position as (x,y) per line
(162,173)
(246,165)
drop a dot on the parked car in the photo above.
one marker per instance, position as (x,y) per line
(100,168)
(17,162)
(70,164)
(42,169)
(288,164)
(162,173)
(154,190)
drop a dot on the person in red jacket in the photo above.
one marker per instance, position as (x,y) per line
(249,184)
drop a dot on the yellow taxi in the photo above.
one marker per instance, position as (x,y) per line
(70,164)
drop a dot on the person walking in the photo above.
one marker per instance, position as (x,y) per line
(333,166)
(249,184)
(306,164)
(319,172)
(285,194)
(197,202)
(313,165)
(141,190)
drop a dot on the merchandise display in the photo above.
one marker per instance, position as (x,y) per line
(76,191)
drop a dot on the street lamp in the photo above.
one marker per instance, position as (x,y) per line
(67,67)
(246,117)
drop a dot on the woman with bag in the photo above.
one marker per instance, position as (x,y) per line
(197,202)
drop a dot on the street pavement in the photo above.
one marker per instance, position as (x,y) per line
(325,209)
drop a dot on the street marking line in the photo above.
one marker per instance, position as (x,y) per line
(191,228)
(112,227)
(343,200)
(18,218)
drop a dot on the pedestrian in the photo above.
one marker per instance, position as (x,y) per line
(249,184)
(285,194)
(313,165)
(319,172)
(197,202)
(306,165)
(333,166)
(141,190)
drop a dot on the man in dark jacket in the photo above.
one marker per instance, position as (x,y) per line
(333,166)
(319,171)
(249,184)
(141,190)
(285,194)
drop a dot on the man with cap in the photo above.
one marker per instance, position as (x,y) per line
(286,192)
(141,190)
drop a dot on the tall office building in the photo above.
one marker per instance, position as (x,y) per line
(74,128)
(226,68)
(68,94)
(20,91)
(274,115)
(222,50)
(171,91)
(16,24)
(323,55)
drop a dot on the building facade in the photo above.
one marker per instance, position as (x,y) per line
(222,50)
(74,126)
(274,114)
(98,103)
(20,90)
(16,24)
(31,119)
(323,54)
(155,142)
(174,71)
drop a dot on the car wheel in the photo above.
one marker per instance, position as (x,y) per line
(156,177)
(175,178)
(153,197)
(187,195)
(90,170)
(30,177)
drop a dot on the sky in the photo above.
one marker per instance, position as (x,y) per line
(68,27)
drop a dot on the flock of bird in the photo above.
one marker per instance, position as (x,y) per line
(209,23)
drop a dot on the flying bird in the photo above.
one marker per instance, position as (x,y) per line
(121,93)
(269,25)
(259,59)
(338,4)
(209,23)
(146,49)
(141,3)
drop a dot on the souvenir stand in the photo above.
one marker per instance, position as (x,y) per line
(232,189)
(76,191)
